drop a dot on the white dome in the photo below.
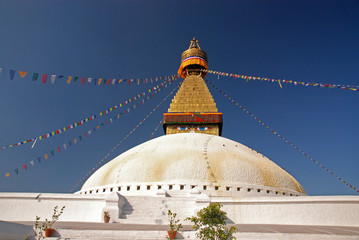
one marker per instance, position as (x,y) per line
(195,160)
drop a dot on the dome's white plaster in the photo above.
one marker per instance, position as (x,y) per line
(194,160)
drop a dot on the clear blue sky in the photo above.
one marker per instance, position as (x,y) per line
(312,41)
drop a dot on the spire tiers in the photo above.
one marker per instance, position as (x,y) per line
(193,108)
(193,96)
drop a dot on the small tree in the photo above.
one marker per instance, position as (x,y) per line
(210,223)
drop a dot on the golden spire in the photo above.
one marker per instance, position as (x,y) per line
(193,108)
(194,44)
(193,58)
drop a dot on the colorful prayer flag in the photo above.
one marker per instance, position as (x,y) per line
(35,76)
(44,78)
(22,74)
(12,74)
(53,78)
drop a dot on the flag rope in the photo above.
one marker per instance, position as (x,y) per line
(90,80)
(76,124)
(281,137)
(122,140)
(279,81)
(81,137)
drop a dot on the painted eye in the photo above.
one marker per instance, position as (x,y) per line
(182,128)
(202,128)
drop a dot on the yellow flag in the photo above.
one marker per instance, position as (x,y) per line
(99,81)
(69,80)
(45,156)
(22,74)
(7,174)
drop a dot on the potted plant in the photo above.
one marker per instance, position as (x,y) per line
(46,227)
(175,225)
(106,217)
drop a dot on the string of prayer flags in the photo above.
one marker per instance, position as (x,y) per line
(76,124)
(159,124)
(77,140)
(280,81)
(83,80)
(281,137)
(122,140)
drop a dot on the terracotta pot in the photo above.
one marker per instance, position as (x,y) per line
(172,234)
(49,232)
(106,219)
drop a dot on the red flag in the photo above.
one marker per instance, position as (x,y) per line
(44,78)
(24,166)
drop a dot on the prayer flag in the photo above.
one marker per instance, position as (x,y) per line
(83,80)
(69,80)
(16,170)
(24,166)
(7,174)
(99,81)
(53,78)
(22,74)
(12,74)
(39,159)
(44,78)
(76,78)
(35,76)
(32,163)
(45,156)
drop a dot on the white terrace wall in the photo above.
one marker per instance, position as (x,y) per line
(301,210)
(25,207)
(304,210)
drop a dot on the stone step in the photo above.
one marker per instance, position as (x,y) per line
(70,234)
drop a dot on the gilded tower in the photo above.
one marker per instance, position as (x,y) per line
(193,108)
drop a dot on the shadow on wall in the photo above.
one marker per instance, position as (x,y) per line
(126,210)
(9,231)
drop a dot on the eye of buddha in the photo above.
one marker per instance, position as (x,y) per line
(182,128)
(202,128)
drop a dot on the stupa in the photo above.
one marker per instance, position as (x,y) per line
(192,156)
